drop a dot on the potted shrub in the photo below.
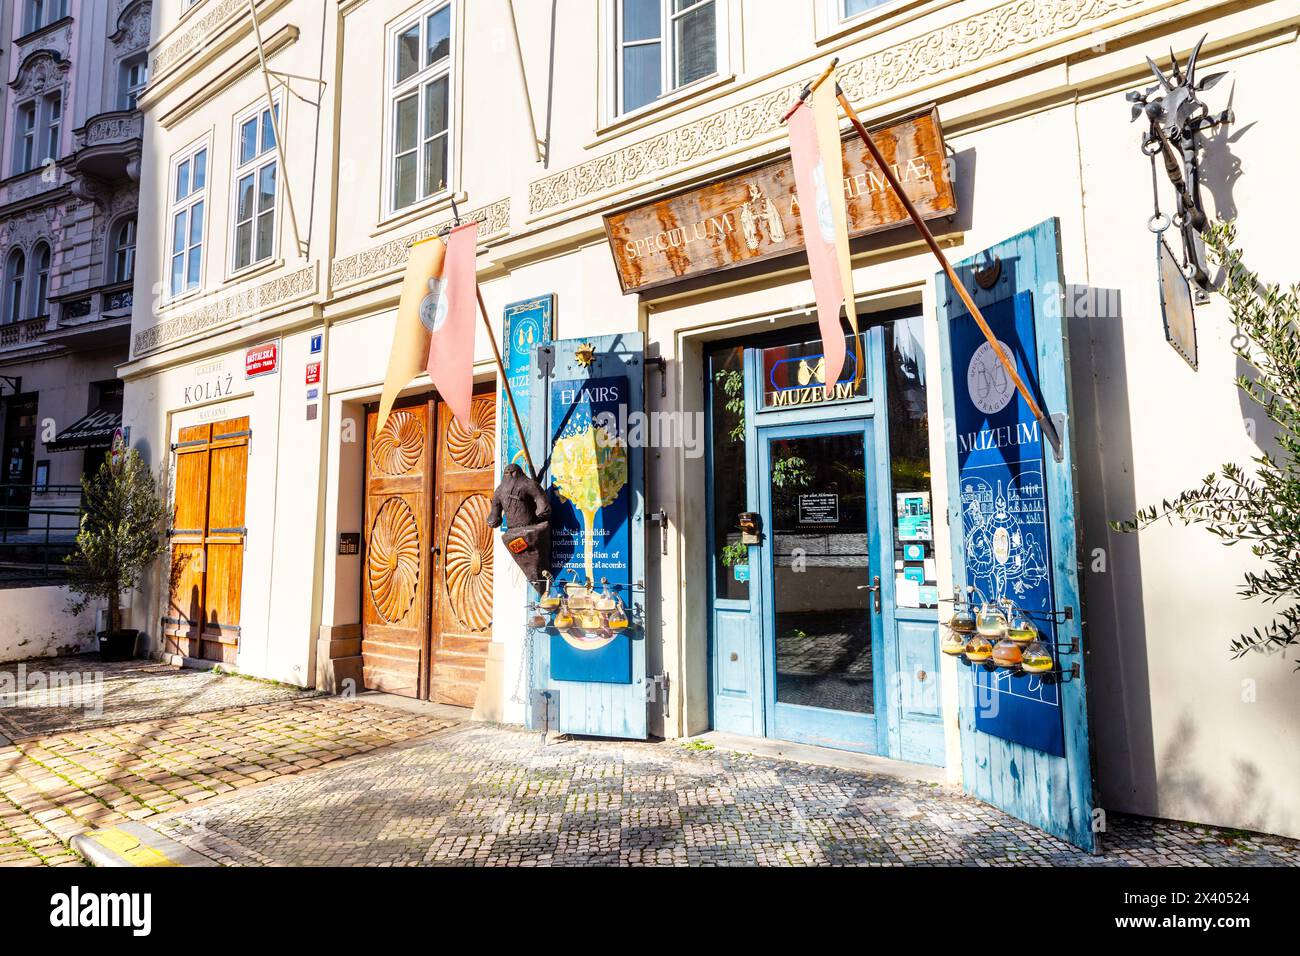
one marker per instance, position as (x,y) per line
(121,533)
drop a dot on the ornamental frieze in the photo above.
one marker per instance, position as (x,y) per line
(244,302)
(194,37)
(964,43)
(494,220)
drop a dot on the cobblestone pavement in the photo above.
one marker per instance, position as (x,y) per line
(491,796)
(50,695)
(54,786)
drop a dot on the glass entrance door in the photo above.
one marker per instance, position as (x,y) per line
(823,631)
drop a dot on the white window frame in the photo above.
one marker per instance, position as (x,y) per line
(667,41)
(115,247)
(417,84)
(264,157)
(38,281)
(185,204)
(26,123)
(50,11)
(52,125)
(15,287)
(129,90)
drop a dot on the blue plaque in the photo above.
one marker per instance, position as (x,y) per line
(526,325)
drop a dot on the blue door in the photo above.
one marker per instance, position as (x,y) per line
(824,643)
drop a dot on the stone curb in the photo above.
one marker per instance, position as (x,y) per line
(135,844)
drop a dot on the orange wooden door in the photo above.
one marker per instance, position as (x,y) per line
(395,605)
(207,541)
(224,541)
(461,627)
(184,618)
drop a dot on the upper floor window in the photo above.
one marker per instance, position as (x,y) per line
(53,125)
(663,45)
(41,13)
(848,9)
(15,274)
(420,106)
(189,192)
(40,304)
(123,251)
(37,128)
(255,188)
(25,138)
(134,78)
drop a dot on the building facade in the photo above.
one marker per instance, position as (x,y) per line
(71,162)
(279,209)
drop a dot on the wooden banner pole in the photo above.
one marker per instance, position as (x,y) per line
(505,383)
(1044,421)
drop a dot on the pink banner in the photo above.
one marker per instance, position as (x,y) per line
(451,338)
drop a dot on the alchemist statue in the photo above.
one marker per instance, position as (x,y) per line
(527,511)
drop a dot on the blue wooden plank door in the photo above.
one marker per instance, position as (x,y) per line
(826,657)
(587,398)
(1011,518)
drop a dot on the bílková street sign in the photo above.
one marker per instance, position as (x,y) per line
(754,215)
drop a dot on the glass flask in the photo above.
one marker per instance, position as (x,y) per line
(605,600)
(550,598)
(563,616)
(953,643)
(1006,653)
(963,621)
(617,617)
(978,648)
(1021,629)
(536,616)
(589,619)
(991,622)
(1037,658)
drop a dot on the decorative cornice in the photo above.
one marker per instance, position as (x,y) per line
(944,50)
(285,288)
(392,255)
(196,34)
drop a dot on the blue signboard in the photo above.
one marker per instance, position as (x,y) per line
(1004,514)
(525,325)
(590,518)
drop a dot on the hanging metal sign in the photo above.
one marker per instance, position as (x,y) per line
(1176,303)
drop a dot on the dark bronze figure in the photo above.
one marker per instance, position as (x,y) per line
(527,511)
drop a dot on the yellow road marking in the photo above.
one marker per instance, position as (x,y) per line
(130,848)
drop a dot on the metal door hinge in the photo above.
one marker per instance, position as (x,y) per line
(661,363)
(656,688)
(660,519)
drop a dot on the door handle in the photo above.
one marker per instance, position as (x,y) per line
(873,587)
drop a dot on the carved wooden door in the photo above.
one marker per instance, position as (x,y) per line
(207,538)
(461,627)
(396,569)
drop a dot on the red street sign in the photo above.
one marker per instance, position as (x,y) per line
(261,359)
(313,373)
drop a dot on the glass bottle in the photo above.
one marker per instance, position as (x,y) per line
(963,621)
(991,622)
(1006,653)
(1037,658)
(605,600)
(1022,630)
(589,619)
(953,643)
(563,616)
(617,617)
(978,648)
(536,616)
(550,598)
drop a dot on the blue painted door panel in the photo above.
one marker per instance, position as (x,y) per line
(612,702)
(1049,791)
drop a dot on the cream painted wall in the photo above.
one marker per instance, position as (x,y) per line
(37,624)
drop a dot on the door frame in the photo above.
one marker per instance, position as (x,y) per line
(843,730)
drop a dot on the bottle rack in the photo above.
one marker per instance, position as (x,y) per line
(1058,674)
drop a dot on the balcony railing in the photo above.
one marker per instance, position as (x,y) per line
(20,334)
(116,126)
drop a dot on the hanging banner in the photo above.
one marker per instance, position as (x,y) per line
(590,520)
(1004,517)
(524,326)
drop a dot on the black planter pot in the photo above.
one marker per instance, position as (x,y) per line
(118,645)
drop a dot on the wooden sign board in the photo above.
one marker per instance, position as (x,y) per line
(754,215)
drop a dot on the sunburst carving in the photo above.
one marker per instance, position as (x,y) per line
(473,447)
(397,447)
(393,560)
(468,558)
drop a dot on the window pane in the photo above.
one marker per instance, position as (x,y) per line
(243,244)
(727,439)
(178,274)
(183,180)
(909,453)
(438,30)
(641,20)
(408,52)
(435,166)
(265,235)
(178,232)
(853,7)
(244,192)
(404,186)
(641,79)
(408,113)
(268,128)
(697,44)
(200,169)
(435,107)
(247,140)
(192,272)
(196,224)
(266,188)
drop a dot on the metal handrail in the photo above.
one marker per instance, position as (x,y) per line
(46,539)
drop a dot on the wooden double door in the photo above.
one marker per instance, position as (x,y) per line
(427,565)
(207,541)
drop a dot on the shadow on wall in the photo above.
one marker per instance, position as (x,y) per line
(1188,794)
(1119,687)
